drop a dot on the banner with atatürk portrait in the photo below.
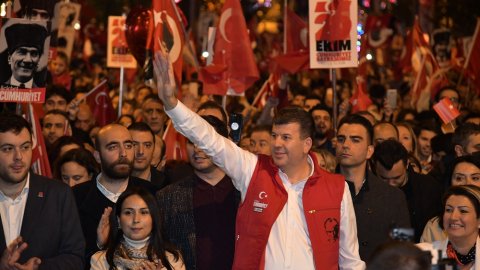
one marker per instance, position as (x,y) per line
(24,46)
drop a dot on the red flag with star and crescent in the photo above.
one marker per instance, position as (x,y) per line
(101,105)
(296,55)
(233,66)
(169,33)
(40,163)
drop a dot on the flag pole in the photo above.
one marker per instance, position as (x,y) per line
(285,6)
(334,90)
(93,90)
(187,40)
(475,35)
(120,94)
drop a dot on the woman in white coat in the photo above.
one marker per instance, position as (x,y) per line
(461,222)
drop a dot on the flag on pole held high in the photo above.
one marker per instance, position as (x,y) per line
(169,33)
(472,65)
(233,68)
(296,56)
(100,104)
(360,99)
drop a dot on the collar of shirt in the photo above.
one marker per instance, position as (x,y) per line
(299,185)
(14,82)
(107,193)
(204,185)
(21,196)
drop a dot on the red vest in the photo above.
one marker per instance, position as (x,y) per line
(265,199)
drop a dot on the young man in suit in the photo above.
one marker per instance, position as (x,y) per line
(40,227)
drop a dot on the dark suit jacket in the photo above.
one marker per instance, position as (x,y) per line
(378,208)
(175,202)
(91,204)
(51,226)
(424,199)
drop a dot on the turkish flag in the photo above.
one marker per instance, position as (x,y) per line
(360,100)
(176,144)
(296,55)
(40,164)
(233,66)
(101,105)
(472,65)
(446,110)
(169,33)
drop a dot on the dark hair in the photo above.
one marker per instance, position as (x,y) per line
(219,126)
(54,151)
(358,120)
(56,112)
(81,156)
(14,123)
(127,116)
(471,192)
(397,255)
(460,137)
(320,107)
(389,152)
(153,98)
(472,159)
(295,114)
(141,126)
(403,113)
(210,104)
(261,128)
(157,244)
(58,90)
(451,88)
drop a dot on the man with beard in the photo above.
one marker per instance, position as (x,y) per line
(144,145)
(322,119)
(115,152)
(25,47)
(40,227)
(427,130)
(199,211)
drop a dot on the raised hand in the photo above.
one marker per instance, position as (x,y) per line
(163,73)
(103,228)
(12,253)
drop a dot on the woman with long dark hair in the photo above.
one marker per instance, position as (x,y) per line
(137,241)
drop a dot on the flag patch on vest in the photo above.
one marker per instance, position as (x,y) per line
(259,206)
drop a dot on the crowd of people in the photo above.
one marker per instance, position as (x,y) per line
(297,191)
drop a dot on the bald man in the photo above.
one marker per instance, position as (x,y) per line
(115,152)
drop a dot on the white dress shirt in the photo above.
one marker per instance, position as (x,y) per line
(107,193)
(288,244)
(11,212)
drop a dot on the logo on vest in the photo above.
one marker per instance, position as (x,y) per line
(331,229)
(259,206)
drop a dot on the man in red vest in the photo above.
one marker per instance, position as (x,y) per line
(293,215)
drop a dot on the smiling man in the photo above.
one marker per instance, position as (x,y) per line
(25,47)
(281,223)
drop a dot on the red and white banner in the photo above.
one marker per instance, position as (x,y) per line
(333,33)
(118,54)
(34,95)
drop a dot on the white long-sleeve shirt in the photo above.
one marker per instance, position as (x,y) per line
(288,245)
